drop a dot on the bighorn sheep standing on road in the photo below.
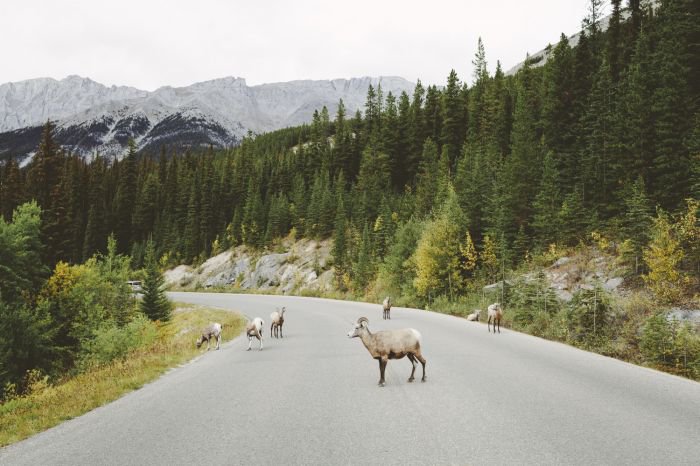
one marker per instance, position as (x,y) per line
(474,316)
(277,319)
(255,329)
(209,332)
(387,308)
(496,314)
(390,344)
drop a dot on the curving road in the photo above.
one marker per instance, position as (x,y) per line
(312,398)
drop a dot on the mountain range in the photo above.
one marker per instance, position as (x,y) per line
(91,117)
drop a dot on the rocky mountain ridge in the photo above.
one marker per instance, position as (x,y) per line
(91,117)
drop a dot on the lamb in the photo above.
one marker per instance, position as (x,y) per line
(496,314)
(209,332)
(474,316)
(277,319)
(390,344)
(387,308)
(255,329)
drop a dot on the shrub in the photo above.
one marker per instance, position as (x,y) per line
(110,342)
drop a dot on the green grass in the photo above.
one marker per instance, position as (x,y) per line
(50,404)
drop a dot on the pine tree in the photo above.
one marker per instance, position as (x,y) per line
(340,243)
(574,219)
(363,269)
(546,205)
(11,189)
(672,113)
(125,199)
(558,117)
(426,179)
(44,171)
(21,269)
(432,114)
(637,220)
(154,303)
(453,124)
(613,52)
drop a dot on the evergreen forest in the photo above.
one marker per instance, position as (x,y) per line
(426,196)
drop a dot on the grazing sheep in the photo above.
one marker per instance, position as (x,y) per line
(390,344)
(496,314)
(209,332)
(277,319)
(387,308)
(255,329)
(474,316)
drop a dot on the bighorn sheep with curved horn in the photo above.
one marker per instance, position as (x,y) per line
(390,344)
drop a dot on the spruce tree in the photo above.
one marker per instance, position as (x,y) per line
(154,303)
(546,205)
(11,189)
(125,199)
(453,125)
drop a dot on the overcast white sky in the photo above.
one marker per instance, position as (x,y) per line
(152,43)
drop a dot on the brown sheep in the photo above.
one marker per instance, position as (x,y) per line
(390,344)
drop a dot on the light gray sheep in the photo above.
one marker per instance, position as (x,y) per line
(390,344)
(209,332)
(255,329)
(495,314)
(474,316)
(277,319)
(387,308)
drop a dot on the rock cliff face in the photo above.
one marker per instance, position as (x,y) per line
(91,117)
(303,266)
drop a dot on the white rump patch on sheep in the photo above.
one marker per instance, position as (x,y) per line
(417,334)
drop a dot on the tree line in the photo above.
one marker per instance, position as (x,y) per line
(425,194)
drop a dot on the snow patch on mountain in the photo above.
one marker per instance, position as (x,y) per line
(91,117)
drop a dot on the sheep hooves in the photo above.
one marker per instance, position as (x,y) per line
(390,344)
(254,329)
(495,313)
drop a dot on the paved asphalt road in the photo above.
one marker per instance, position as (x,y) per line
(312,398)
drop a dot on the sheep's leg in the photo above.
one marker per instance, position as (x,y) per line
(208,340)
(382,367)
(250,342)
(422,361)
(281,336)
(499,326)
(261,343)
(218,342)
(412,358)
(488,325)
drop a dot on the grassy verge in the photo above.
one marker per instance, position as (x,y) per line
(50,404)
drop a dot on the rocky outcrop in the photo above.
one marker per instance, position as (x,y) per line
(567,275)
(304,265)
